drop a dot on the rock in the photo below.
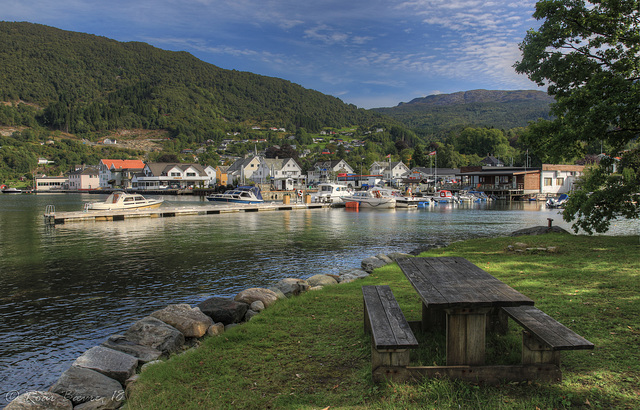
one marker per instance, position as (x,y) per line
(352,274)
(398,255)
(292,286)
(384,258)
(250,314)
(156,334)
(372,263)
(40,400)
(278,293)
(142,353)
(321,280)
(81,385)
(257,306)
(538,230)
(112,363)
(147,365)
(428,247)
(190,321)
(229,326)
(248,296)
(224,310)
(216,329)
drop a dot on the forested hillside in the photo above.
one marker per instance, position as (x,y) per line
(437,115)
(85,83)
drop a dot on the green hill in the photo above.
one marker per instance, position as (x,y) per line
(86,83)
(437,114)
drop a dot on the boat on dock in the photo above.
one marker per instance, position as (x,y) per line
(121,200)
(11,191)
(329,192)
(239,195)
(373,198)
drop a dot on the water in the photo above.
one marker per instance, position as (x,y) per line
(65,288)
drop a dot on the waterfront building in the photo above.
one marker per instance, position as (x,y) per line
(242,170)
(161,175)
(283,173)
(84,179)
(389,170)
(118,172)
(45,183)
(325,171)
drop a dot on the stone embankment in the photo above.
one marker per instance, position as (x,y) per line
(100,377)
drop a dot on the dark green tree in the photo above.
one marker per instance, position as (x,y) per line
(588,54)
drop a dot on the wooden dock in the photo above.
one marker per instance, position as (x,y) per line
(55,218)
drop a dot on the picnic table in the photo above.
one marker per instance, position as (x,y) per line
(466,302)
(460,295)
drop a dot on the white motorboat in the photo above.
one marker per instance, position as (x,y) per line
(239,195)
(11,191)
(120,200)
(372,198)
(557,202)
(329,192)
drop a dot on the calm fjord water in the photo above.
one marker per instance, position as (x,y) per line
(65,288)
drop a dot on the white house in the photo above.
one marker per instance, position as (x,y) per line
(118,172)
(389,170)
(242,170)
(324,171)
(45,183)
(161,175)
(559,179)
(84,179)
(284,173)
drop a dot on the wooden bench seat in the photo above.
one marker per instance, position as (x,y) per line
(391,336)
(544,337)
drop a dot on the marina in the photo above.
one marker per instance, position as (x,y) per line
(68,286)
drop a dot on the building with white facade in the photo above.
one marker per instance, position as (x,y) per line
(118,172)
(84,179)
(241,171)
(559,179)
(325,171)
(389,170)
(161,175)
(283,173)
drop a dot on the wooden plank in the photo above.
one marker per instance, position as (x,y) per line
(490,375)
(547,329)
(389,328)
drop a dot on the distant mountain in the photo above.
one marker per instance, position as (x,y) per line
(442,113)
(87,83)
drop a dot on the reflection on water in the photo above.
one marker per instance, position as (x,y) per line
(66,288)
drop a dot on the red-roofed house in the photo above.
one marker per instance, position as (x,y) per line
(118,172)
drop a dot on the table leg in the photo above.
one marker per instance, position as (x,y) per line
(466,335)
(433,319)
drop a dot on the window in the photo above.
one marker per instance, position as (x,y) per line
(191,174)
(548,181)
(559,181)
(175,174)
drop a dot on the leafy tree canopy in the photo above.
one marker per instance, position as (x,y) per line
(588,54)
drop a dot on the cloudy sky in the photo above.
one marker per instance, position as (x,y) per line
(371,53)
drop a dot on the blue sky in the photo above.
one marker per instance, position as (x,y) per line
(371,53)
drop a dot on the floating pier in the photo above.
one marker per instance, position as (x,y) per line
(55,218)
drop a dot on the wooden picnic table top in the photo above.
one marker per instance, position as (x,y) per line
(454,282)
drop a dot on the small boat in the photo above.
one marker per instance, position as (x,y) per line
(557,202)
(121,200)
(11,191)
(239,195)
(444,196)
(329,192)
(372,198)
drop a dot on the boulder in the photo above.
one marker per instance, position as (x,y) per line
(216,329)
(248,296)
(384,258)
(102,403)
(40,400)
(538,230)
(250,314)
(191,322)
(372,263)
(223,310)
(352,274)
(81,385)
(278,292)
(321,280)
(156,334)
(112,363)
(395,256)
(292,286)
(257,306)
(143,353)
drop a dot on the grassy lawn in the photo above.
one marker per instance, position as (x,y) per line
(310,352)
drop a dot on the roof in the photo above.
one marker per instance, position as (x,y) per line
(123,163)
(163,168)
(501,171)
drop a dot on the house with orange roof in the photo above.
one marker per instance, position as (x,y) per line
(118,172)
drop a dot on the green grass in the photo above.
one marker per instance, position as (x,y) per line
(310,352)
